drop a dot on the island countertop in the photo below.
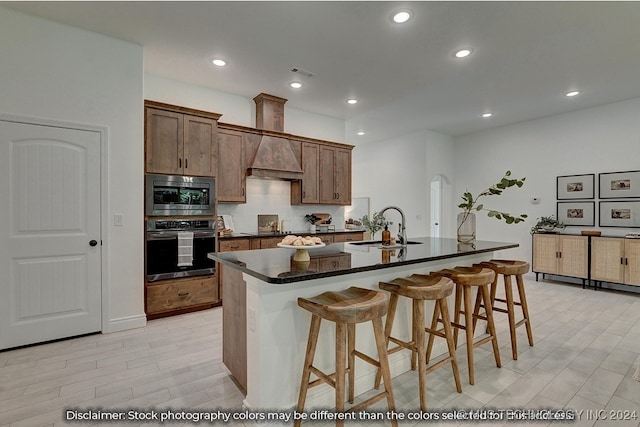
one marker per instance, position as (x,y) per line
(276,266)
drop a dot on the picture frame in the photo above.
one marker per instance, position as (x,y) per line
(576,213)
(620,213)
(570,187)
(619,185)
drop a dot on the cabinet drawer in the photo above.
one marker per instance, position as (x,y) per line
(348,237)
(269,242)
(233,245)
(176,294)
(326,239)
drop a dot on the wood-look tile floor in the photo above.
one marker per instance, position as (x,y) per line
(587,345)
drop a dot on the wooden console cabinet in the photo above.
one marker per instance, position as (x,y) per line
(562,255)
(615,260)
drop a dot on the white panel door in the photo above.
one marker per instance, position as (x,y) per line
(50,244)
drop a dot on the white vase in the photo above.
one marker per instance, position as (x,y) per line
(312,228)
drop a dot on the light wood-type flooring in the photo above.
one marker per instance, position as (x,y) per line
(587,346)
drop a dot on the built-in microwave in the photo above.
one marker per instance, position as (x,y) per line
(176,195)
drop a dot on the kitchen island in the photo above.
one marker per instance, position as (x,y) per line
(265,332)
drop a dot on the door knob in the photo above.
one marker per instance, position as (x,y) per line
(93,242)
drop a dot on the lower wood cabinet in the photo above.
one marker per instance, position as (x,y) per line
(348,237)
(173,296)
(615,260)
(564,255)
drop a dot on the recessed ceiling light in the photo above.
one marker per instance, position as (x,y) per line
(295,85)
(352,101)
(360,133)
(572,93)
(219,62)
(486,115)
(463,53)
(402,16)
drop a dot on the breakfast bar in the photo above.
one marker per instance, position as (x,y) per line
(265,331)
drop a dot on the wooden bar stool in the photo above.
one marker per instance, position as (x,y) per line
(346,308)
(419,288)
(465,278)
(510,268)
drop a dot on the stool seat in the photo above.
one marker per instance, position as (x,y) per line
(507,266)
(353,305)
(420,286)
(473,276)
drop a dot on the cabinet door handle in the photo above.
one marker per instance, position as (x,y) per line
(183,294)
(242,193)
(186,163)
(626,261)
(180,163)
(559,254)
(622,261)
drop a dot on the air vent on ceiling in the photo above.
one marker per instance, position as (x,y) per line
(303,72)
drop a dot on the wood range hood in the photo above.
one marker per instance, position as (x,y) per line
(274,158)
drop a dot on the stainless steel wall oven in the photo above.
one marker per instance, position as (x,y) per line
(164,252)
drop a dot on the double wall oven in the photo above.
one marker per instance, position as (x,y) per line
(180,226)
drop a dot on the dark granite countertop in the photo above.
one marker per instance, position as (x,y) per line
(277,266)
(248,234)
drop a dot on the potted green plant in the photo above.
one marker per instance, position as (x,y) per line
(466,219)
(374,224)
(546,224)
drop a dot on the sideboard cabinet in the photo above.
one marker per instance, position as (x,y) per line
(615,260)
(562,255)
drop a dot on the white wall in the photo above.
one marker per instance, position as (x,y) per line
(263,196)
(399,171)
(601,139)
(56,72)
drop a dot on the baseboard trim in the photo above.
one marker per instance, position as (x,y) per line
(125,323)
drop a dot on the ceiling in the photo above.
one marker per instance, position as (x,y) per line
(526,55)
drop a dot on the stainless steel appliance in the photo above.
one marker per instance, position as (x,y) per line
(175,195)
(162,240)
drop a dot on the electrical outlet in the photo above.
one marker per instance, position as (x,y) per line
(418,217)
(118,220)
(252,318)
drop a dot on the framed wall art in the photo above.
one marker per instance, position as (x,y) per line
(576,213)
(619,185)
(622,213)
(575,187)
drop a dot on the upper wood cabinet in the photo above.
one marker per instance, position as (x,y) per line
(615,260)
(308,189)
(326,176)
(561,254)
(180,141)
(232,177)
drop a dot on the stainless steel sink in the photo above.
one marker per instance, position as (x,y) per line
(379,242)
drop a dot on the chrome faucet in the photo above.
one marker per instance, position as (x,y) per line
(402,233)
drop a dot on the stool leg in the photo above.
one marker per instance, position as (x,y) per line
(434,327)
(308,361)
(456,314)
(508,290)
(341,338)
(384,365)
(351,347)
(468,326)
(525,308)
(418,324)
(490,324)
(391,314)
(446,321)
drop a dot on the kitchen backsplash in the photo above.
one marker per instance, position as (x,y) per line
(274,197)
